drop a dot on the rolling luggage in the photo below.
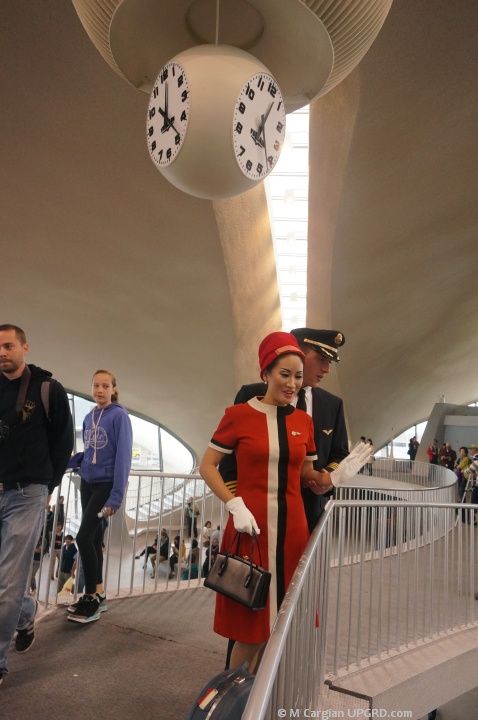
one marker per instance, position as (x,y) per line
(224,697)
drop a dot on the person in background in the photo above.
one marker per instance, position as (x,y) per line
(206,534)
(462,462)
(104,470)
(50,517)
(369,465)
(192,514)
(192,569)
(34,449)
(36,565)
(413,446)
(448,457)
(162,553)
(68,555)
(149,550)
(55,551)
(211,555)
(362,440)
(433,453)
(174,557)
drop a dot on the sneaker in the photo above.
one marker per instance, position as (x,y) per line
(26,636)
(102,601)
(87,611)
(74,606)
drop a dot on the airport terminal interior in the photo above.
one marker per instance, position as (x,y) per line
(367,226)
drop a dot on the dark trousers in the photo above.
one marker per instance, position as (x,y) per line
(192,526)
(90,534)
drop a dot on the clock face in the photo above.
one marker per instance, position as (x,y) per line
(168,114)
(259,126)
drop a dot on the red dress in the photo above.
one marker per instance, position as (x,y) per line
(271,444)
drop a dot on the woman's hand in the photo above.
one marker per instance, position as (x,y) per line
(244,520)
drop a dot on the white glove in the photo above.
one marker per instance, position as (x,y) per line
(350,465)
(244,520)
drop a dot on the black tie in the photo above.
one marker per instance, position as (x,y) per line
(301,403)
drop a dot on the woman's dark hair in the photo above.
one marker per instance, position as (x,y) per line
(115,395)
(194,543)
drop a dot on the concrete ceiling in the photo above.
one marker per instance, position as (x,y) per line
(105,264)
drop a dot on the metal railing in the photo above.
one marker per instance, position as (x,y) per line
(376,579)
(153,501)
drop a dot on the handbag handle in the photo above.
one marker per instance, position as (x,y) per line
(237,539)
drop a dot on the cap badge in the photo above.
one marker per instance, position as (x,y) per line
(338,339)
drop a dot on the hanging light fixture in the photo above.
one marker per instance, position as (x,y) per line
(304,47)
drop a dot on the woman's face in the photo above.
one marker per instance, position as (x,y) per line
(102,389)
(284,380)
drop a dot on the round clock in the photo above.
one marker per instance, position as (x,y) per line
(214,88)
(259,126)
(168,114)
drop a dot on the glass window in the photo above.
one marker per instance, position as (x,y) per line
(154,448)
(176,456)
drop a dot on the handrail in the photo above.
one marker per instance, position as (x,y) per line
(409,560)
(123,576)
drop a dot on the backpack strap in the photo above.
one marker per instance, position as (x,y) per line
(45,391)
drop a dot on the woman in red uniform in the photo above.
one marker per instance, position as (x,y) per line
(274,446)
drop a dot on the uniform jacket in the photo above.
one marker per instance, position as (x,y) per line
(331,442)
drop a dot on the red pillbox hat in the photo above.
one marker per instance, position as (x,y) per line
(275,345)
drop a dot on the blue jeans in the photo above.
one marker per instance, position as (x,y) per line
(21,516)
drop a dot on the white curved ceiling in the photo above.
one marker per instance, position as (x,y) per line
(105,264)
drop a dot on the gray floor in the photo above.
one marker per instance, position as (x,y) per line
(147,657)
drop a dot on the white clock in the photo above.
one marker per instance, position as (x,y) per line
(259,126)
(168,114)
(198,100)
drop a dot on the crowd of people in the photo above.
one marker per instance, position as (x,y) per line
(462,464)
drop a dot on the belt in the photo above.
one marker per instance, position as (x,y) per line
(14,485)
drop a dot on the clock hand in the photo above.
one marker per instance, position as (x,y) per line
(260,130)
(264,118)
(168,122)
(264,135)
(164,112)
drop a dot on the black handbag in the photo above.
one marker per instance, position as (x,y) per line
(238,578)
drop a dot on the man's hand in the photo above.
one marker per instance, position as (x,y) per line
(321,484)
(350,465)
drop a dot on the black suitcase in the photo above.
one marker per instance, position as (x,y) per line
(224,697)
